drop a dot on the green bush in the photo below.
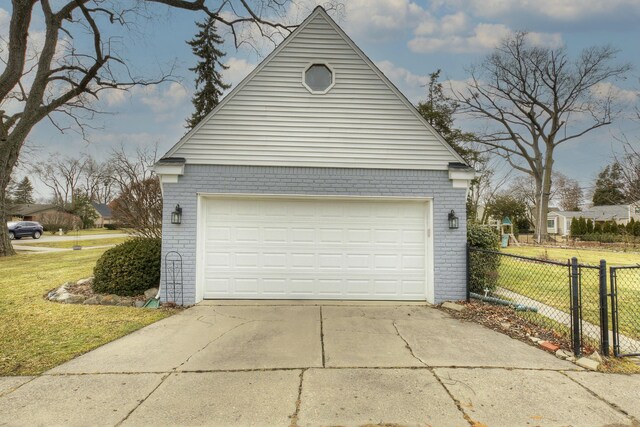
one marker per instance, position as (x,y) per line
(483,268)
(128,269)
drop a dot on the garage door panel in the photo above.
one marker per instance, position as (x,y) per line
(343,249)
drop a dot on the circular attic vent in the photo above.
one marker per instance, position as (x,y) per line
(318,78)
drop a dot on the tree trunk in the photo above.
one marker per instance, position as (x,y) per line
(9,149)
(6,249)
(543,190)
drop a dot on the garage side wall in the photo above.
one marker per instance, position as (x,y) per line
(449,245)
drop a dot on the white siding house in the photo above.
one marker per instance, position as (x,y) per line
(315,178)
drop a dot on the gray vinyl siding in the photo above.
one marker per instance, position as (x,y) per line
(273,120)
(449,245)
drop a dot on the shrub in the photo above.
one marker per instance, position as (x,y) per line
(128,269)
(53,221)
(483,271)
(111,226)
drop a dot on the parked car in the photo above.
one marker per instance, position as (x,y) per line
(20,229)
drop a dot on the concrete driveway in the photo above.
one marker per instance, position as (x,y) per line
(318,364)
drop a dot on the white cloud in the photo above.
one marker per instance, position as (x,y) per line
(371,20)
(113,97)
(163,99)
(555,10)
(410,84)
(382,19)
(608,90)
(483,37)
(238,70)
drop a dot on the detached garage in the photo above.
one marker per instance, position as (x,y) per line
(315,178)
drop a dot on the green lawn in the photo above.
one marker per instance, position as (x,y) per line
(36,335)
(585,256)
(90,231)
(549,284)
(67,244)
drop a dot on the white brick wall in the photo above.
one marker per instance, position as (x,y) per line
(449,245)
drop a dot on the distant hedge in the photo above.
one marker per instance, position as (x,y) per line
(128,269)
(483,269)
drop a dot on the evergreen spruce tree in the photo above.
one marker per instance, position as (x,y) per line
(439,111)
(589,226)
(209,84)
(574,227)
(609,188)
(23,192)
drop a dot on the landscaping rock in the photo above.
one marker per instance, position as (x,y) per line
(564,355)
(95,300)
(88,281)
(596,356)
(450,305)
(151,293)
(535,339)
(505,325)
(74,299)
(587,363)
(110,300)
(81,293)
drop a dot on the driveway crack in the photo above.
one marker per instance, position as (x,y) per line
(322,337)
(212,341)
(456,402)
(602,399)
(406,344)
(140,402)
(296,413)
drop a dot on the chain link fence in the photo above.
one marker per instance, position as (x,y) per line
(563,296)
(625,310)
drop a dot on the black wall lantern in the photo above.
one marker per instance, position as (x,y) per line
(453,220)
(176,215)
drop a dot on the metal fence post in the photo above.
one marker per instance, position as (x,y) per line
(575,308)
(614,311)
(468,272)
(604,312)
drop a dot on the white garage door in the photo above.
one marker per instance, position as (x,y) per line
(276,248)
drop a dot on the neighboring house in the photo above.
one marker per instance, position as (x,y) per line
(31,212)
(104,214)
(315,178)
(560,222)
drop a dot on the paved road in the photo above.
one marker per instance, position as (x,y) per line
(47,237)
(243,363)
(26,244)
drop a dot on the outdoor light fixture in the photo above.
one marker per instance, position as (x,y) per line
(453,220)
(176,215)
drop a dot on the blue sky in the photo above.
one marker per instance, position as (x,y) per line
(406,39)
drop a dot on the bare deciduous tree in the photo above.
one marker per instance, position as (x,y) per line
(77,61)
(62,175)
(568,192)
(536,98)
(139,208)
(629,161)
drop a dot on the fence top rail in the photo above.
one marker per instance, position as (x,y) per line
(623,267)
(544,261)
(594,267)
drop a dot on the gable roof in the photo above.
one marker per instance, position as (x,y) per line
(102,209)
(271,119)
(598,213)
(29,209)
(607,212)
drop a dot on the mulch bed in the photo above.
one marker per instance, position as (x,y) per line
(507,321)
(85,290)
